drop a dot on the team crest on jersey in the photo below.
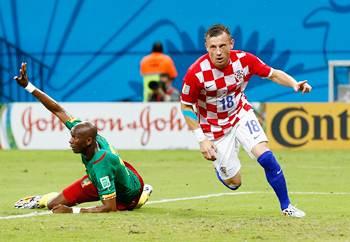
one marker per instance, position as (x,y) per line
(239,75)
(105,182)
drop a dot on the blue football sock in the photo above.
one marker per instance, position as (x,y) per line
(275,177)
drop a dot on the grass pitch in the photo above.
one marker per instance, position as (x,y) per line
(318,182)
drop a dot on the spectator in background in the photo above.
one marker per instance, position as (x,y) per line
(157,63)
(163,90)
(152,67)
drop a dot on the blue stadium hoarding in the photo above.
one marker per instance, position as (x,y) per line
(90,50)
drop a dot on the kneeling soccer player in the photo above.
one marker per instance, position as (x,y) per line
(109,179)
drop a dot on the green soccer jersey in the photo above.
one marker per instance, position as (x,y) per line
(107,172)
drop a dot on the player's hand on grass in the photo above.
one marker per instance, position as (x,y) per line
(61,209)
(208,150)
(22,79)
(303,87)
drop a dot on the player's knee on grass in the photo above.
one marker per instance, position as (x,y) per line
(46,198)
(60,199)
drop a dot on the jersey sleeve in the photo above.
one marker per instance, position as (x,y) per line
(104,177)
(190,88)
(72,122)
(258,67)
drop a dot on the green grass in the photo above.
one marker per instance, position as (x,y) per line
(182,173)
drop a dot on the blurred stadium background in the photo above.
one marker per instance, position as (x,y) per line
(86,55)
(85,51)
(78,50)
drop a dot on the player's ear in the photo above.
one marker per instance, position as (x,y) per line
(89,141)
(232,43)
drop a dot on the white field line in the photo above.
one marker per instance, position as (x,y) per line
(304,167)
(34,214)
(240,193)
(202,197)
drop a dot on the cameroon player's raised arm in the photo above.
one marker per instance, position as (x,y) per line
(45,99)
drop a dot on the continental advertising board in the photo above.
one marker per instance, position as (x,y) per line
(308,126)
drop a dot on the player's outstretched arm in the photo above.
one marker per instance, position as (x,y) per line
(107,206)
(45,99)
(283,78)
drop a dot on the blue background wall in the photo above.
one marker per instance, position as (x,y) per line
(90,50)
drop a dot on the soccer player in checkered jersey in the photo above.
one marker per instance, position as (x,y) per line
(109,179)
(217,111)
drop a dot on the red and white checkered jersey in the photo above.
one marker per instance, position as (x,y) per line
(218,93)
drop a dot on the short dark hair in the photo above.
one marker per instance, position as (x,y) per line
(157,47)
(216,30)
